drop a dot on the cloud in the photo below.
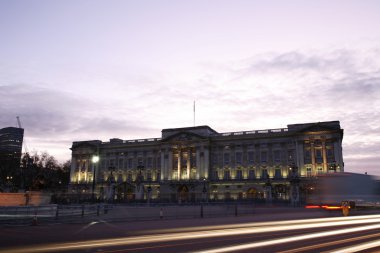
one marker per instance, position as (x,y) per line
(269,90)
(52,118)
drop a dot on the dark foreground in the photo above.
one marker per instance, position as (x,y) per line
(301,231)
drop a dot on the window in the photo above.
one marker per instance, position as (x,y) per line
(251,174)
(330,154)
(264,158)
(290,156)
(239,175)
(192,161)
(215,159)
(226,175)
(150,162)
(129,177)
(319,170)
(215,175)
(121,163)
(318,155)
(130,163)
(251,158)
(307,156)
(277,173)
(226,159)
(264,174)
(277,156)
(140,161)
(238,157)
(158,175)
(149,176)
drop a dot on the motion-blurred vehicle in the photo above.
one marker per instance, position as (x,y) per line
(345,191)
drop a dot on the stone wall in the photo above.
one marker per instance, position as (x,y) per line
(22,199)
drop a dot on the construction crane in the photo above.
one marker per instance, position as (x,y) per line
(19,122)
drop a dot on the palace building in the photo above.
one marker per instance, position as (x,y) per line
(195,164)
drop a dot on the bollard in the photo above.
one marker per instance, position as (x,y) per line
(82,210)
(161,213)
(236,210)
(201,210)
(34,220)
(105,209)
(97,210)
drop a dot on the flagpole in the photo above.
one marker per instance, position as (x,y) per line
(194,112)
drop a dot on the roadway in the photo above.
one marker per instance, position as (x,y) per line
(359,233)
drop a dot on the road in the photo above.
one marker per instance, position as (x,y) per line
(359,233)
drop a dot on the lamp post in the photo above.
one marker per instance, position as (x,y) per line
(294,185)
(204,190)
(95,160)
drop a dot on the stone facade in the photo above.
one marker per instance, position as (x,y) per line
(200,164)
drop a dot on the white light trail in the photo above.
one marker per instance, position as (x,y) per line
(230,231)
(269,223)
(290,239)
(360,247)
(309,248)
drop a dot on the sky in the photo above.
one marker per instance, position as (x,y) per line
(89,69)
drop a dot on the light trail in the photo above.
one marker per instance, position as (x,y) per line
(356,248)
(327,244)
(267,223)
(289,239)
(268,227)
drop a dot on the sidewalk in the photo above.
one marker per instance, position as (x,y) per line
(128,213)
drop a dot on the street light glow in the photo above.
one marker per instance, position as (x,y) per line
(95,159)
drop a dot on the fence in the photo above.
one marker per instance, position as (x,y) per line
(131,212)
(49,213)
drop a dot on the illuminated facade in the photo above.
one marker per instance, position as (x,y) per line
(198,163)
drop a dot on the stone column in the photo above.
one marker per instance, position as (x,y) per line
(198,161)
(87,170)
(324,156)
(179,164)
(188,163)
(170,164)
(299,159)
(206,157)
(164,174)
(312,151)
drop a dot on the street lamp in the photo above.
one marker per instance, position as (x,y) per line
(204,190)
(95,159)
(294,185)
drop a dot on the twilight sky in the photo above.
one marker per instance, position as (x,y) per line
(80,70)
